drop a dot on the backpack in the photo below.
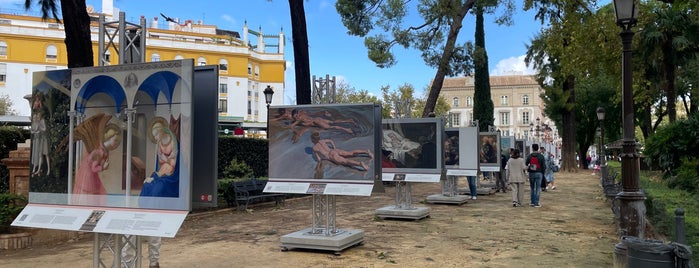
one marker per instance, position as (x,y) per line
(534,165)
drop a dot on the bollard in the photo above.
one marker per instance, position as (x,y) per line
(680,233)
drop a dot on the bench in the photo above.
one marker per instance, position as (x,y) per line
(252,189)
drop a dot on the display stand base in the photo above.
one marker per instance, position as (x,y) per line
(306,239)
(443,199)
(480,191)
(414,213)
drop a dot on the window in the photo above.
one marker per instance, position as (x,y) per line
(470,118)
(51,52)
(3,49)
(505,118)
(222,88)
(525,99)
(155,57)
(456,102)
(525,118)
(201,61)
(455,119)
(3,73)
(257,71)
(249,107)
(107,57)
(222,105)
(249,68)
(223,65)
(469,101)
(179,57)
(503,100)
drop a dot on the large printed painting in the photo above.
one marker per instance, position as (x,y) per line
(412,145)
(132,136)
(489,151)
(322,144)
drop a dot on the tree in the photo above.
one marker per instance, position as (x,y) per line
(348,94)
(76,23)
(668,42)
(6,105)
(435,37)
(302,67)
(482,102)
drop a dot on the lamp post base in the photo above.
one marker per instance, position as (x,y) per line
(632,213)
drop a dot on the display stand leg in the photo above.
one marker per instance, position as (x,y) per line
(449,193)
(323,234)
(403,209)
(105,245)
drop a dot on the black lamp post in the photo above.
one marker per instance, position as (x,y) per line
(268,95)
(603,156)
(538,129)
(631,207)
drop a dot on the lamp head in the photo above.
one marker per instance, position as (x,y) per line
(600,113)
(626,12)
(268,94)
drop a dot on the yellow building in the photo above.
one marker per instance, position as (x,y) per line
(516,103)
(247,63)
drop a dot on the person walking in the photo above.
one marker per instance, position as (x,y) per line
(536,166)
(515,175)
(548,175)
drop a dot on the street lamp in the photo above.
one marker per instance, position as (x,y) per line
(268,95)
(631,207)
(603,160)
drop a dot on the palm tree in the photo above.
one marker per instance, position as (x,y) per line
(76,23)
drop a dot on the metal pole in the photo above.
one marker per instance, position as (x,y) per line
(631,208)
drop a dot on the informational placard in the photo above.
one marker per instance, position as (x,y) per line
(489,151)
(324,149)
(131,144)
(126,221)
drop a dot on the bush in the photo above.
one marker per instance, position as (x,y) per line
(10,206)
(252,152)
(236,169)
(673,148)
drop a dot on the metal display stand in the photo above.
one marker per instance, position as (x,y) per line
(323,234)
(403,208)
(106,245)
(450,193)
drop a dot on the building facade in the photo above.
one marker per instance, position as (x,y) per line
(248,63)
(517,106)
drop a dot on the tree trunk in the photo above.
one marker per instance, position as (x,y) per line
(438,80)
(568,135)
(669,71)
(302,68)
(78,40)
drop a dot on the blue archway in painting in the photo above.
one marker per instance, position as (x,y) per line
(160,82)
(100,84)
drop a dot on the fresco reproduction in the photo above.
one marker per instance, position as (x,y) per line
(333,143)
(412,145)
(131,141)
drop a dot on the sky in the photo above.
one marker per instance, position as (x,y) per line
(332,51)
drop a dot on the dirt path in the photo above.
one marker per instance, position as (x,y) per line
(574,228)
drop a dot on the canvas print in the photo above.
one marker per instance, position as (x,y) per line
(322,142)
(131,143)
(451,147)
(489,148)
(412,145)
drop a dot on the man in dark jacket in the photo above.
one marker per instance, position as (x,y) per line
(537,167)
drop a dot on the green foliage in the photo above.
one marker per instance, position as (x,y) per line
(686,178)
(674,144)
(9,138)
(6,105)
(661,202)
(236,169)
(251,152)
(10,206)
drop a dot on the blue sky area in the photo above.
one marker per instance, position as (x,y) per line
(332,50)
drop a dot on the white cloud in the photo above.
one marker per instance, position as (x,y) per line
(227,18)
(512,65)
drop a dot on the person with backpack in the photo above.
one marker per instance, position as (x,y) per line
(536,167)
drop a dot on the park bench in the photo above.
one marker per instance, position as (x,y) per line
(252,190)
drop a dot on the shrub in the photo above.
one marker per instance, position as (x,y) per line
(252,152)
(10,206)
(237,169)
